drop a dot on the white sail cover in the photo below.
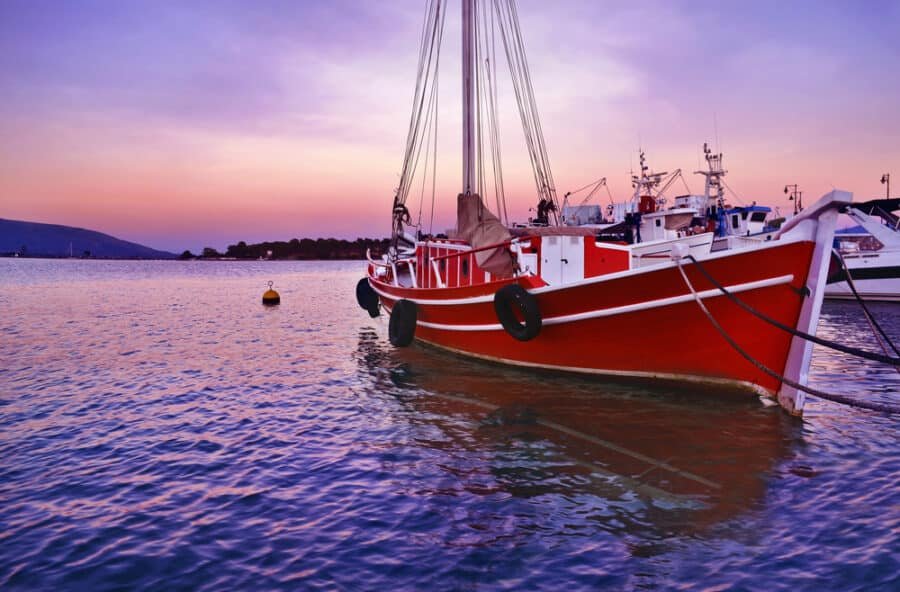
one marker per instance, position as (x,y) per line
(479,227)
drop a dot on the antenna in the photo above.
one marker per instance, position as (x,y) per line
(886,180)
(716,130)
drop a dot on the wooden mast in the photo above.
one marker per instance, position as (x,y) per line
(468,88)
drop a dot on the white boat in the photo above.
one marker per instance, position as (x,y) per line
(732,225)
(871,253)
(643,221)
(646,218)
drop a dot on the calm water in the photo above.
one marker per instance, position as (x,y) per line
(161,430)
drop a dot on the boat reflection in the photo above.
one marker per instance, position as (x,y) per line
(675,457)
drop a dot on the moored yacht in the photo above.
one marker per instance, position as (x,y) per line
(871,253)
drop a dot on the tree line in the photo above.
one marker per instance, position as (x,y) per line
(298,249)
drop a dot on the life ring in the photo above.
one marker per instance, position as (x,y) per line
(367,298)
(402,326)
(512,298)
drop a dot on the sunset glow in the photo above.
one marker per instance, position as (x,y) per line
(201,123)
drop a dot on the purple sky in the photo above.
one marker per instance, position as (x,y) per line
(189,124)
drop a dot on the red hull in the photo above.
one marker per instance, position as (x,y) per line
(642,322)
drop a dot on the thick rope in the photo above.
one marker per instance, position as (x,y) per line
(835,398)
(876,328)
(853,351)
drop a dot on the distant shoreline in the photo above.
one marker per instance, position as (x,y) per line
(307,249)
(176,259)
(39,240)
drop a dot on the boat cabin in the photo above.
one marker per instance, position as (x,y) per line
(746,220)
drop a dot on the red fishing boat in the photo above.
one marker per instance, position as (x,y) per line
(548,296)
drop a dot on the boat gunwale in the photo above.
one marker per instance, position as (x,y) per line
(415,294)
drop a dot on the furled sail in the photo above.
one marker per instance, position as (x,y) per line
(479,227)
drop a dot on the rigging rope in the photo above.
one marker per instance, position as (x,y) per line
(479,89)
(488,17)
(517,61)
(835,398)
(424,68)
(539,132)
(429,129)
(517,89)
(487,69)
(434,160)
(495,113)
(424,96)
(733,192)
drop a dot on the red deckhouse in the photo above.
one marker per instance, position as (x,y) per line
(546,295)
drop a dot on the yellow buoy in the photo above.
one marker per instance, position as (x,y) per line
(271,297)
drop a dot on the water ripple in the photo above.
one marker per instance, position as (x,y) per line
(160,429)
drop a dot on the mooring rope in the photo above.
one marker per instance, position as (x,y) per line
(853,351)
(869,317)
(835,398)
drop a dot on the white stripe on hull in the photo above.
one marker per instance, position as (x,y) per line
(617,310)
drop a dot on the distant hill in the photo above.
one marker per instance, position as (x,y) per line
(33,239)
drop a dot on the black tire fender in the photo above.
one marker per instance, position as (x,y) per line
(402,325)
(512,298)
(367,298)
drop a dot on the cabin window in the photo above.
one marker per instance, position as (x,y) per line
(758,217)
(659,223)
(465,267)
(743,215)
(734,221)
